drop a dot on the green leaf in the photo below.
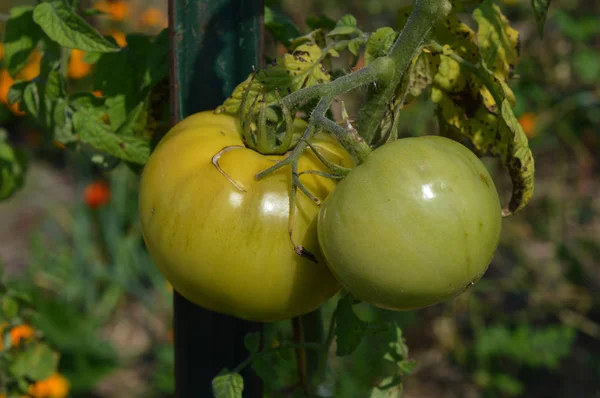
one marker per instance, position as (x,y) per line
(36,362)
(31,100)
(349,329)
(345,26)
(10,308)
(89,104)
(228,385)
(51,89)
(62,24)
(289,72)
(389,387)
(21,38)
(355,44)
(12,168)
(63,126)
(540,9)
(252,342)
(380,43)
(142,65)
(84,103)
(128,148)
(91,58)
(15,93)
(280,26)
(135,123)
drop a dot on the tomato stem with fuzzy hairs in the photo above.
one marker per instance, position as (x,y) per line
(386,71)
(425,15)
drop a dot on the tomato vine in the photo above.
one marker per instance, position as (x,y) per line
(280,110)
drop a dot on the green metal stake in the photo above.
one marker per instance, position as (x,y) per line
(214,45)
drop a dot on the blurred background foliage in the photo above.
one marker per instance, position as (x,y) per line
(70,239)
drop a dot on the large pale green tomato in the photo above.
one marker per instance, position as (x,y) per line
(418,222)
(220,236)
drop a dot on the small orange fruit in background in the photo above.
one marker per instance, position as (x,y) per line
(32,68)
(5,82)
(18,334)
(56,386)
(153,17)
(119,38)
(29,72)
(528,122)
(96,194)
(59,145)
(117,10)
(78,68)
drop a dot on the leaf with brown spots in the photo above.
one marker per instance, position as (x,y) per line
(290,72)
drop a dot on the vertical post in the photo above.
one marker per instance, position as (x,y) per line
(214,44)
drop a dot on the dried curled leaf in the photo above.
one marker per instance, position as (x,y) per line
(290,72)
(520,161)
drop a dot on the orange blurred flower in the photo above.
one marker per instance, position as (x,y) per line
(152,17)
(78,68)
(119,38)
(18,334)
(5,82)
(97,93)
(96,194)
(528,123)
(118,10)
(32,68)
(56,386)
(59,145)
(29,72)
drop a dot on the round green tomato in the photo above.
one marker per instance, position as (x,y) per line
(418,222)
(219,236)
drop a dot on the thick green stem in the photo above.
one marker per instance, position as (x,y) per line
(348,137)
(425,14)
(337,87)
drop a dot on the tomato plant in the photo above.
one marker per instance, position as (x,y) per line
(221,237)
(229,199)
(416,223)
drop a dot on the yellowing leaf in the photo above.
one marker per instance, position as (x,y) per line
(496,39)
(422,71)
(290,72)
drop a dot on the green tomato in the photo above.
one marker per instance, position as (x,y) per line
(417,223)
